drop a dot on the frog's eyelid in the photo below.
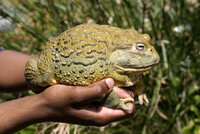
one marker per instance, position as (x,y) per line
(140,44)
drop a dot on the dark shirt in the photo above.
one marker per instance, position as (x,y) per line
(1,49)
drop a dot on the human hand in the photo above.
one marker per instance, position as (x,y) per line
(62,101)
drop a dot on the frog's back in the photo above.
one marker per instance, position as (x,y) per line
(79,56)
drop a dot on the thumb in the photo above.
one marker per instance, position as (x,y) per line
(96,91)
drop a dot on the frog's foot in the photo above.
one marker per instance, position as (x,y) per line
(143,97)
(123,103)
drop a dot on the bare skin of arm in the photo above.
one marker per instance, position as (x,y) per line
(60,103)
(12,66)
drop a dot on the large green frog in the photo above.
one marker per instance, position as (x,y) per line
(91,52)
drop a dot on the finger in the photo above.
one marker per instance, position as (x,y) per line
(94,92)
(122,93)
(101,116)
(114,114)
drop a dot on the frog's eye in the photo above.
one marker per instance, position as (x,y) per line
(140,46)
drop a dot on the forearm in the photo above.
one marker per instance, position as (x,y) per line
(12,66)
(20,113)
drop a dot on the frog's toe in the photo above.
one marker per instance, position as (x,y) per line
(123,103)
(146,99)
(143,98)
(125,100)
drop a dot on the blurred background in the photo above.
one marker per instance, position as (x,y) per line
(172,87)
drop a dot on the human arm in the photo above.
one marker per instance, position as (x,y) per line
(56,103)
(59,103)
(12,66)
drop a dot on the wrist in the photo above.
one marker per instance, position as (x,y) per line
(40,109)
(22,112)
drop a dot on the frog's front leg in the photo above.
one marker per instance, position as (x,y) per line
(34,77)
(139,89)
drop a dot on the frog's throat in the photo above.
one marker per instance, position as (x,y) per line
(134,69)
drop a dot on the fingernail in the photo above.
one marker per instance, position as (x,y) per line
(110,83)
(130,106)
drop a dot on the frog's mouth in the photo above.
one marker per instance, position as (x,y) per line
(132,68)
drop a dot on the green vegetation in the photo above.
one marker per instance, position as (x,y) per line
(172,87)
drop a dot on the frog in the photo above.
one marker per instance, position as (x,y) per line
(91,52)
